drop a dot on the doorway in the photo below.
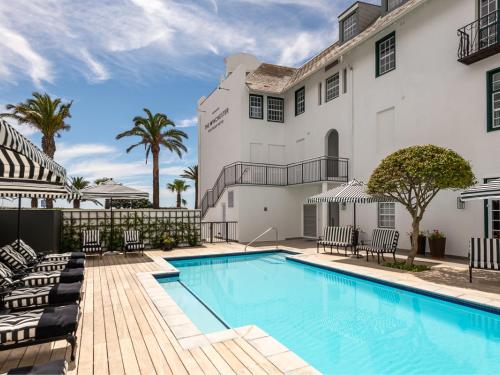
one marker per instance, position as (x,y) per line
(310,218)
(332,151)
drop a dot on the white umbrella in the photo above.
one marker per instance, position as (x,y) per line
(112,190)
(488,190)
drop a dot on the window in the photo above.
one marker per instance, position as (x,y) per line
(393,4)
(320,93)
(230,199)
(386,54)
(332,87)
(256,106)
(300,101)
(487,23)
(275,109)
(493,85)
(349,27)
(344,82)
(386,215)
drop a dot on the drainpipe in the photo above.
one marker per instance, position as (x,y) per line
(352,125)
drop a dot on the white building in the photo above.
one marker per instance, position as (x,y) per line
(271,136)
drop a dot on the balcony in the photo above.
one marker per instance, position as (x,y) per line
(320,169)
(479,39)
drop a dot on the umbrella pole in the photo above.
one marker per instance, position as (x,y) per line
(18,220)
(111,238)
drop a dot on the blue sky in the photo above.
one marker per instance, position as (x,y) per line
(115,57)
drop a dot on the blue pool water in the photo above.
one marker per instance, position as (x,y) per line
(342,324)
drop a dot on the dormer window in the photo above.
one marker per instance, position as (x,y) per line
(350,27)
(393,4)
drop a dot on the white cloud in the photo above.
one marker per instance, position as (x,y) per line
(134,39)
(66,152)
(187,122)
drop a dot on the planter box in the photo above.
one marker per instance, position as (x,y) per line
(437,247)
(422,242)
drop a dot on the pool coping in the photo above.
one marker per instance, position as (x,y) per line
(189,336)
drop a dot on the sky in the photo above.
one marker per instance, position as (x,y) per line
(113,58)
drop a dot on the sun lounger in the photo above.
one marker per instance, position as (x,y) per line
(30,254)
(31,327)
(18,263)
(71,275)
(484,253)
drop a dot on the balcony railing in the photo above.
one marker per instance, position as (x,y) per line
(324,168)
(479,39)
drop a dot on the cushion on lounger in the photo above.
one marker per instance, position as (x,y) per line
(6,275)
(59,367)
(38,324)
(12,259)
(43,295)
(25,250)
(65,256)
(71,275)
(57,321)
(55,265)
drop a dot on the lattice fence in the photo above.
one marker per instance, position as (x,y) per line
(182,225)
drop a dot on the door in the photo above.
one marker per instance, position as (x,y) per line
(310,217)
(488,22)
(332,149)
(494,218)
(333,214)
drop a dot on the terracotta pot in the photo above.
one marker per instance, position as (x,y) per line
(437,247)
(422,240)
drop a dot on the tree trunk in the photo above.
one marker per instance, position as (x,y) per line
(156,178)
(49,147)
(414,239)
(34,202)
(179,199)
(76,203)
(196,194)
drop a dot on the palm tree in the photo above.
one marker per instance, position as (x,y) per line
(78,183)
(155,131)
(192,174)
(178,186)
(46,115)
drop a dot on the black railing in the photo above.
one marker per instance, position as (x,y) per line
(219,231)
(324,168)
(479,39)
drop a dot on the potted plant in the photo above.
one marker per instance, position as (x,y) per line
(421,242)
(437,243)
(168,243)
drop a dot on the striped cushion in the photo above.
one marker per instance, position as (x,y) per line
(43,295)
(484,253)
(131,236)
(134,246)
(19,326)
(91,241)
(25,250)
(65,256)
(13,259)
(6,275)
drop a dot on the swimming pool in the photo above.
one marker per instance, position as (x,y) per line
(339,323)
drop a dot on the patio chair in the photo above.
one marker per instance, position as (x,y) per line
(38,326)
(338,237)
(132,242)
(18,263)
(30,254)
(45,264)
(15,296)
(484,253)
(91,242)
(384,241)
(59,367)
(71,275)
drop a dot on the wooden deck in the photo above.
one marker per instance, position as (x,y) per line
(122,332)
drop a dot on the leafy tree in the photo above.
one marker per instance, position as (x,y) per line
(102,180)
(78,183)
(46,115)
(134,203)
(178,186)
(413,176)
(192,174)
(154,132)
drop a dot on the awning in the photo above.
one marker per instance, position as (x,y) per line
(489,190)
(27,172)
(352,192)
(112,190)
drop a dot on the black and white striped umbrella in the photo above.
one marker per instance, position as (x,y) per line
(488,190)
(352,192)
(27,172)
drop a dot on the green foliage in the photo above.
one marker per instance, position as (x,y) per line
(102,180)
(413,176)
(134,203)
(185,231)
(407,267)
(435,234)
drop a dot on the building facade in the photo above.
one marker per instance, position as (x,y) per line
(404,73)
